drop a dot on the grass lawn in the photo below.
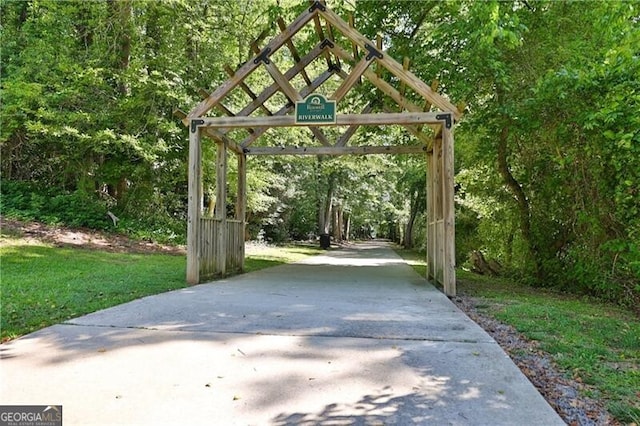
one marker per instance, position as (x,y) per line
(43,285)
(593,342)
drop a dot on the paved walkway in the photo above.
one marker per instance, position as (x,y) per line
(351,337)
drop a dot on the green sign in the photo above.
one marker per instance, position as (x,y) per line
(316,109)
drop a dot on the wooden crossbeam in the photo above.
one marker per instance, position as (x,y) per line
(434,87)
(249,66)
(351,79)
(427,104)
(272,89)
(381,84)
(400,118)
(221,137)
(287,108)
(318,27)
(293,96)
(344,138)
(219,105)
(320,136)
(417,132)
(246,89)
(391,65)
(337,150)
(379,47)
(282,81)
(354,45)
(405,66)
(332,39)
(224,109)
(293,50)
(179,113)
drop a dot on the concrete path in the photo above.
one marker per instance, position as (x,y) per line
(351,337)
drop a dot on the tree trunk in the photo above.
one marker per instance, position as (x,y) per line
(516,189)
(408,231)
(324,224)
(121,14)
(347,225)
(335,225)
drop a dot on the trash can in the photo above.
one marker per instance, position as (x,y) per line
(325,241)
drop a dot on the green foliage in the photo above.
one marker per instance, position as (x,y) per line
(25,201)
(547,154)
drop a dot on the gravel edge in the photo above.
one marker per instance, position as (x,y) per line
(565,395)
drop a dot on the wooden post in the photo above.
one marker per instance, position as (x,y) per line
(431,235)
(449,260)
(221,208)
(241,202)
(194,207)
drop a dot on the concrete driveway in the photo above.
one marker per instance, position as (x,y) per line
(354,336)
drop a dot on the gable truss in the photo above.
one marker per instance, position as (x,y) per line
(364,54)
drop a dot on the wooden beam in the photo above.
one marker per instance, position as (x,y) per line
(241,203)
(354,46)
(320,136)
(221,137)
(332,39)
(351,79)
(272,89)
(293,50)
(381,84)
(282,81)
(193,208)
(241,197)
(405,66)
(225,110)
(379,47)
(344,138)
(251,65)
(247,89)
(391,65)
(318,27)
(449,261)
(253,46)
(418,134)
(337,150)
(427,104)
(434,87)
(341,120)
(294,96)
(221,208)
(179,113)
(285,109)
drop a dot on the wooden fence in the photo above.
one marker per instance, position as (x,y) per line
(220,259)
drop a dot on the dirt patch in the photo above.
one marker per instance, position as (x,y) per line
(82,237)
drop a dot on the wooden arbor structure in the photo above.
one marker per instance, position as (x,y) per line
(215,245)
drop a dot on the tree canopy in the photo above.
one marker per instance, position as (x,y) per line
(547,154)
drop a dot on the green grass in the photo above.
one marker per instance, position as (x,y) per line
(43,285)
(594,342)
